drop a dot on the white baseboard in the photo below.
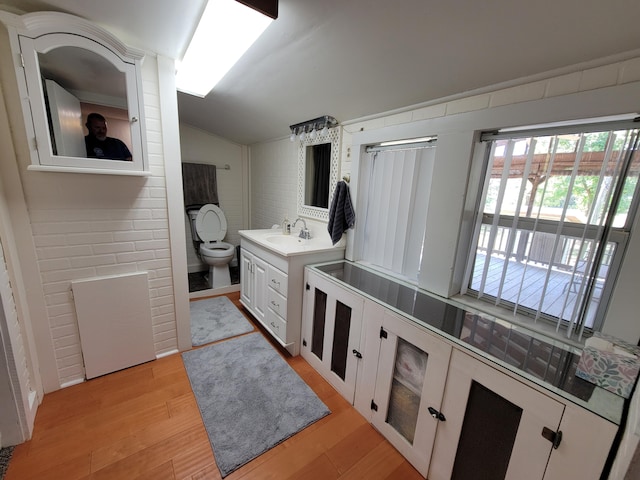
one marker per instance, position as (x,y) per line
(33,397)
(166,354)
(72,383)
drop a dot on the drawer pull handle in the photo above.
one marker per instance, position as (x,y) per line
(273,280)
(274,325)
(277,305)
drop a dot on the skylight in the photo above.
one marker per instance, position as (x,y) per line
(225,32)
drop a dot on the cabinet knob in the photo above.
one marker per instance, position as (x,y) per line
(134,119)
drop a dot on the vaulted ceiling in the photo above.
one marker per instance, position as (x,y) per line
(354,58)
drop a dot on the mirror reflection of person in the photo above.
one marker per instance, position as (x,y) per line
(99,145)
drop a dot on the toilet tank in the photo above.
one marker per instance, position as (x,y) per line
(193,213)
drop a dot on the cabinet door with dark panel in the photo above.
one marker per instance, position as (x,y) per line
(497,427)
(331,327)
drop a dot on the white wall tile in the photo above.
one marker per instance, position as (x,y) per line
(522,93)
(470,104)
(563,85)
(600,77)
(398,118)
(433,111)
(630,71)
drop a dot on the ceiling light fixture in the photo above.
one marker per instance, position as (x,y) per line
(312,128)
(225,32)
(408,141)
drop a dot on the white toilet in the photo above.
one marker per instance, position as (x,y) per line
(209,226)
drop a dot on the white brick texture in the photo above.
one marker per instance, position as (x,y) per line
(92,225)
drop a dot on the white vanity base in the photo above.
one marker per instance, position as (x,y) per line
(272,281)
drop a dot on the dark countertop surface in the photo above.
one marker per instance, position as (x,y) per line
(545,361)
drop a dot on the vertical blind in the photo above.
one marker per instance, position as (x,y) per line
(396,200)
(553,222)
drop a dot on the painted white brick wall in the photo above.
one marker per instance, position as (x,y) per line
(93,225)
(274,176)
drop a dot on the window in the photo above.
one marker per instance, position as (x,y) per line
(553,222)
(396,195)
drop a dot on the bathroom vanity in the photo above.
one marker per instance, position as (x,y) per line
(459,393)
(271,278)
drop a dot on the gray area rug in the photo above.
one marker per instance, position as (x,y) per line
(250,399)
(5,456)
(214,319)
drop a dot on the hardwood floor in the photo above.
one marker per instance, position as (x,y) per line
(143,423)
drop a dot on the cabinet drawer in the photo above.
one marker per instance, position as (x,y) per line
(277,280)
(277,325)
(277,303)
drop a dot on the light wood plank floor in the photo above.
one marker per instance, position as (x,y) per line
(143,423)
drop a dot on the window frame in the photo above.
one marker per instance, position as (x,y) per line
(620,236)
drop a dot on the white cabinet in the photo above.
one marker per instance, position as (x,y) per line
(494,425)
(253,290)
(263,291)
(331,332)
(272,286)
(500,426)
(453,412)
(56,53)
(411,375)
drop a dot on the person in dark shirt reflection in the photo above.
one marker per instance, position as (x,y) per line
(99,145)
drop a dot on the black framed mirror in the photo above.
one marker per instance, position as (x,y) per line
(317,175)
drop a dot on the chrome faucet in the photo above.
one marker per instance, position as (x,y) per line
(304,231)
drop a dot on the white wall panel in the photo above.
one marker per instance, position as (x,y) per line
(114,320)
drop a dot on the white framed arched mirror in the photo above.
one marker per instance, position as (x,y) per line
(318,169)
(83,86)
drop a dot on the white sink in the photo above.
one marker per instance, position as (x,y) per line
(284,240)
(289,245)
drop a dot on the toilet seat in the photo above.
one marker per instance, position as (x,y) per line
(211,224)
(217,250)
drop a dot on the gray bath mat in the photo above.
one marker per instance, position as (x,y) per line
(5,456)
(214,319)
(249,397)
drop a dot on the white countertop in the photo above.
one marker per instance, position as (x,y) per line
(290,245)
